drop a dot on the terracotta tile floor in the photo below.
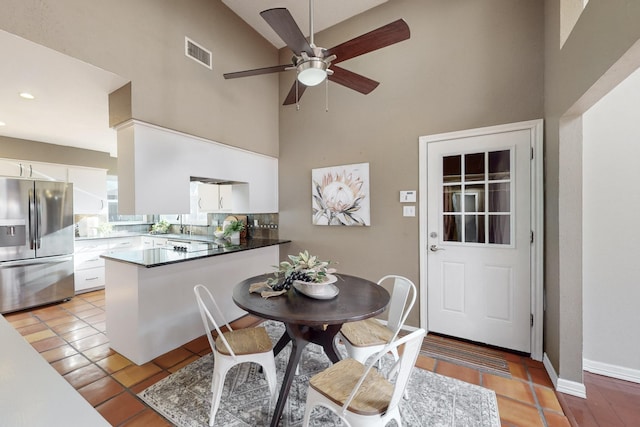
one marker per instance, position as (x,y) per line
(71,337)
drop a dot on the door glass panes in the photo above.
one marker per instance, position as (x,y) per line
(474,228)
(451,199)
(500,229)
(499,165)
(451,168)
(474,167)
(500,197)
(476,196)
(452,228)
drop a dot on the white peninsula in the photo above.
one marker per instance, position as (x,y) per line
(150,305)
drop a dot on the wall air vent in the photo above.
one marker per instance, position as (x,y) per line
(198,53)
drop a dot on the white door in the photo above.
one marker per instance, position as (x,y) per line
(479,238)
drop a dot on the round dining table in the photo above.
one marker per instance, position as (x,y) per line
(311,320)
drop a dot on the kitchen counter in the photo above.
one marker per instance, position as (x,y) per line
(32,393)
(151,308)
(162,256)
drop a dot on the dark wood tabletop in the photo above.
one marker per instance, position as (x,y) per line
(358,299)
(311,320)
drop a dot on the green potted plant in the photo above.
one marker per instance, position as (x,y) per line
(233,230)
(302,267)
(160,227)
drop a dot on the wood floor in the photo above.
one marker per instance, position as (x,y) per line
(71,337)
(609,403)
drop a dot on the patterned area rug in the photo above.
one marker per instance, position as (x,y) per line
(184,397)
(465,354)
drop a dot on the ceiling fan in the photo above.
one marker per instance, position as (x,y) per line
(312,62)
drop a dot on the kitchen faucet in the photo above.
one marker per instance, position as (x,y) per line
(179,217)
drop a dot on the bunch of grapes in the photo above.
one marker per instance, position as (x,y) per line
(288,281)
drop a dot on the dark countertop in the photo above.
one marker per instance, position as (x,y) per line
(162,256)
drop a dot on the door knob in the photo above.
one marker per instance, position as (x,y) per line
(434,248)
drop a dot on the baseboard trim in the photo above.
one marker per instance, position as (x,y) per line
(561,385)
(550,370)
(613,371)
(571,387)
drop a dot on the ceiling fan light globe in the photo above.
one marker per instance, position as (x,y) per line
(312,72)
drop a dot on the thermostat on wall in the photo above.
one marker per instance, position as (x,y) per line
(408,196)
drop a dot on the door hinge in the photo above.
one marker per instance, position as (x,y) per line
(531,236)
(531,153)
(532,320)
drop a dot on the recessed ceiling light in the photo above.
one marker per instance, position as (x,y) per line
(27,95)
(3,124)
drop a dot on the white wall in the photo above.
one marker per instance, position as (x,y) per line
(611,232)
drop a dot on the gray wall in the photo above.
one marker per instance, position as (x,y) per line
(143,41)
(13,148)
(604,32)
(467,64)
(611,270)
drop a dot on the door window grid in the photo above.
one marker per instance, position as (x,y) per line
(477,198)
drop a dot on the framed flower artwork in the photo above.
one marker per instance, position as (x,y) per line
(340,195)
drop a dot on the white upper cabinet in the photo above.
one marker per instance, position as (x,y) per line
(9,167)
(48,171)
(222,198)
(35,170)
(208,197)
(89,190)
(155,166)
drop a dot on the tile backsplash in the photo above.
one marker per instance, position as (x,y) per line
(259,226)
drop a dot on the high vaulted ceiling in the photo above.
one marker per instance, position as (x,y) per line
(326,13)
(71,107)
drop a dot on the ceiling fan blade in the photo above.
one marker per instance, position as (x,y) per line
(386,35)
(352,80)
(285,26)
(257,71)
(291,97)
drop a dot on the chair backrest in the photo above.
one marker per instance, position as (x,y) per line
(412,343)
(403,289)
(205,303)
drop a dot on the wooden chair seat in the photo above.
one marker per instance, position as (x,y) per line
(365,333)
(337,381)
(245,341)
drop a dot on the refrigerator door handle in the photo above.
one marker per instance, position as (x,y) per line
(38,220)
(32,222)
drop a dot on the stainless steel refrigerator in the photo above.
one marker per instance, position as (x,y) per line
(36,243)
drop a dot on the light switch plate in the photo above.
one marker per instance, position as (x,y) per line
(408,211)
(408,196)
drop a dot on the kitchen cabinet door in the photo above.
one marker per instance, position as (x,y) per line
(215,198)
(225,198)
(26,169)
(47,171)
(89,190)
(208,197)
(9,167)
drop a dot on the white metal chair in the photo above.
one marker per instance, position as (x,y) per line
(362,396)
(366,337)
(233,347)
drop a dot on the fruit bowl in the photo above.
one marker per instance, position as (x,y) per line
(219,234)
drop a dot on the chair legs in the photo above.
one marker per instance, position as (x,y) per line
(269,368)
(217,383)
(219,375)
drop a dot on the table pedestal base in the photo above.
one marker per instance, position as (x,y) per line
(300,336)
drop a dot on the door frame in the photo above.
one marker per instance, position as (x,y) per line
(535,128)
